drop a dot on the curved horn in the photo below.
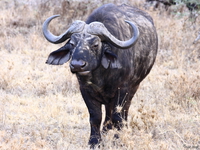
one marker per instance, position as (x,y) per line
(100,30)
(77,26)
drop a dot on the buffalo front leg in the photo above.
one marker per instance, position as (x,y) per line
(95,123)
(94,108)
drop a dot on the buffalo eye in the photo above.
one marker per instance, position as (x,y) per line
(95,46)
(72,44)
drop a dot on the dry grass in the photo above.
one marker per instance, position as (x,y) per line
(41,107)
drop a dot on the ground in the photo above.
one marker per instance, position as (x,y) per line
(41,106)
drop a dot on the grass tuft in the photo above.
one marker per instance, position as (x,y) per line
(41,106)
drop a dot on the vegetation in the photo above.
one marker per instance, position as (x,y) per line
(191,4)
(179,7)
(41,106)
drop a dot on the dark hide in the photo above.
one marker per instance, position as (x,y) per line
(114,74)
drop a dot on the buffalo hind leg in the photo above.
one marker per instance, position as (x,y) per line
(119,109)
(108,118)
(121,106)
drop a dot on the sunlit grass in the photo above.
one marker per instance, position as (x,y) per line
(41,106)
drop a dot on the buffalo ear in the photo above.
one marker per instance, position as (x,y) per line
(109,59)
(59,57)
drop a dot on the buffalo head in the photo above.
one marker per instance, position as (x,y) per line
(87,45)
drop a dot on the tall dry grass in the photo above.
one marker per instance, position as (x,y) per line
(41,107)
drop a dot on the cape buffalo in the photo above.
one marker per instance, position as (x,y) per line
(111,53)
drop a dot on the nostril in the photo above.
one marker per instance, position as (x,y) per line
(84,65)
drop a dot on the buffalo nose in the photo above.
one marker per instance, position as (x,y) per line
(77,65)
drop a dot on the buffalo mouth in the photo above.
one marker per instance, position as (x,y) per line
(83,73)
(80,72)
